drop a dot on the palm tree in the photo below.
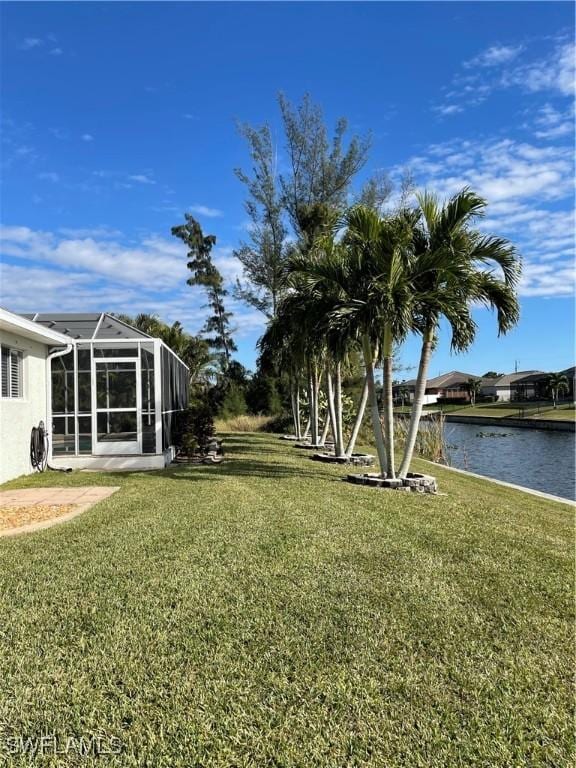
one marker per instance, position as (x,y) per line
(557,382)
(473,388)
(192,350)
(365,276)
(404,393)
(454,268)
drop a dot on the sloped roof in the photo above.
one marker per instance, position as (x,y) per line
(458,377)
(444,380)
(529,376)
(509,378)
(89,325)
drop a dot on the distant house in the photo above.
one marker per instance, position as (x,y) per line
(536,385)
(521,385)
(570,374)
(448,386)
(505,388)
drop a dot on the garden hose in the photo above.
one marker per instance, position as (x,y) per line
(39,450)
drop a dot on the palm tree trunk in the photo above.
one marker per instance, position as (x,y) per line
(325,429)
(417,403)
(331,415)
(387,400)
(313,398)
(339,439)
(293,405)
(307,430)
(298,420)
(375,413)
(359,418)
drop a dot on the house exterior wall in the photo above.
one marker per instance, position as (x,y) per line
(502,393)
(19,415)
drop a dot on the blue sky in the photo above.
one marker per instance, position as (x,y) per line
(118,117)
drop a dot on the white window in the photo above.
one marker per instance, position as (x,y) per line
(11,372)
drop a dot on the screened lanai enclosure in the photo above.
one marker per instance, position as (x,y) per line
(115,394)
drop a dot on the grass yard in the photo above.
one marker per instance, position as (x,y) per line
(263,613)
(566,414)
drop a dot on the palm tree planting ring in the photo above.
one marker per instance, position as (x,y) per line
(412,482)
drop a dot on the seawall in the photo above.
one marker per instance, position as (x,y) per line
(508,421)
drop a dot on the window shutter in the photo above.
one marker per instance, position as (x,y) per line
(11,373)
(5,369)
(15,373)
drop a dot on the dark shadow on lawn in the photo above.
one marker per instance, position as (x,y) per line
(238,464)
(237,467)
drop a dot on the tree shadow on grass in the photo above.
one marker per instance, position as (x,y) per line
(238,467)
(254,455)
(242,459)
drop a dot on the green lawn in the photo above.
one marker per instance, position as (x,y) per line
(564,414)
(264,613)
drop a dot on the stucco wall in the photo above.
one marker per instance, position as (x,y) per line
(502,393)
(18,416)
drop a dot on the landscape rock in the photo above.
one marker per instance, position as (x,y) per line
(413,482)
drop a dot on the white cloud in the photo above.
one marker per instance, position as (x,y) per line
(449,109)
(497,68)
(149,262)
(495,56)
(58,133)
(87,137)
(552,123)
(529,189)
(204,210)
(142,178)
(49,176)
(95,270)
(499,169)
(78,232)
(548,279)
(553,73)
(31,42)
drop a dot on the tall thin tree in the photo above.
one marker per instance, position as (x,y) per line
(205,273)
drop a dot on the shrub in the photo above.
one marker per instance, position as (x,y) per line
(262,395)
(453,401)
(194,429)
(234,402)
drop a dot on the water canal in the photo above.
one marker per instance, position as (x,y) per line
(534,458)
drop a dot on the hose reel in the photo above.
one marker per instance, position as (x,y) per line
(39,450)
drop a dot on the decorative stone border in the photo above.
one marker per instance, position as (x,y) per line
(412,482)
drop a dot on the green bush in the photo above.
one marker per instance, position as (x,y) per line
(194,429)
(233,403)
